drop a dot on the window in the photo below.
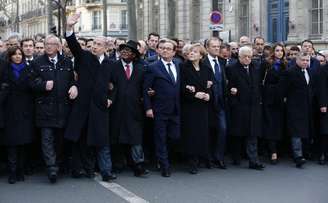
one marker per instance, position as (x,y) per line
(96,20)
(316,17)
(243,17)
(123,1)
(124,21)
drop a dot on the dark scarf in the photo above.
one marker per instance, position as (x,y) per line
(17,69)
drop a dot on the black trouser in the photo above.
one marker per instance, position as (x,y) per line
(324,145)
(272,144)
(83,156)
(52,145)
(251,148)
(16,158)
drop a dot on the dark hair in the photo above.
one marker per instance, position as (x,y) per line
(258,37)
(307,40)
(294,48)
(208,41)
(225,46)
(320,54)
(82,39)
(26,40)
(271,58)
(12,51)
(153,34)
(89,40)
(121,39)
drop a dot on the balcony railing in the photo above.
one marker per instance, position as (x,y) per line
(35,13)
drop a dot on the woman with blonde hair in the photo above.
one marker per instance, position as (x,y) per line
(196,89)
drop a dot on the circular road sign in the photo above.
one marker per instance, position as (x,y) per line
(216,17)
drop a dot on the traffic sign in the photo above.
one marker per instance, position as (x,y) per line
(216,27)
(216,17)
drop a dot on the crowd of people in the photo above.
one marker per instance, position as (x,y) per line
(102,104)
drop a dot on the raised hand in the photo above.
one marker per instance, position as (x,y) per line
(72,20)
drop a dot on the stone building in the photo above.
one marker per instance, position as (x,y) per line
(275,20)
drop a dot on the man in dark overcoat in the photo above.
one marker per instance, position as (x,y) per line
(245,106)
(54,86)
(298,88)
(87,67)
(127,110)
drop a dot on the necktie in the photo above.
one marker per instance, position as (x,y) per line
(247,70)
(216,66)
(170,72)
(306,75)
(127,71)
(53,61)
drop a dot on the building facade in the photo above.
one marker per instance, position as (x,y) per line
(32,17)
(275,20)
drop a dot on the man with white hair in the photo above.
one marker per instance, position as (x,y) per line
(245,106)
(82,129)
(54,86)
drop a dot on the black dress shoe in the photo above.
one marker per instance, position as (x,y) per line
(166,173)
(273,161)
(140,171)
(322,160)
(221,165)
(90,174)
(108,177)
(193,170)
(300,161)
(78,174)
(52,176)
(20,176)
(236,162)
(256,166)
(209,164)
(12,178)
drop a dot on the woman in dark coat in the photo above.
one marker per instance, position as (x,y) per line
(196,83)
(18,107)
(273,103)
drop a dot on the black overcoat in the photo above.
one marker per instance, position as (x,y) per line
(299,104)
(127,112)
(245,106)
(18,108)
(87,67)
(273,103)
(323,98)
(195,112)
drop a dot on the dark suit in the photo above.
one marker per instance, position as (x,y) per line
(218,121)
(165,105)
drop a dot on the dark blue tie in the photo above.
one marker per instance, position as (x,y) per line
(217,70)
(170,72)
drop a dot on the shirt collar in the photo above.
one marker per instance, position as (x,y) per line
(101,58)
(166,62)
(124,63)
(211,58)
(55,58)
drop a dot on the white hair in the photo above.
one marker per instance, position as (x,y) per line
(245,50)
(51,36)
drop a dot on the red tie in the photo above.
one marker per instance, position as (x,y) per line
(127,71)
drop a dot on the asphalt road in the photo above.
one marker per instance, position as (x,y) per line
(282,183)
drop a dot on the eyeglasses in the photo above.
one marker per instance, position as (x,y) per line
(51,44)
(167,48)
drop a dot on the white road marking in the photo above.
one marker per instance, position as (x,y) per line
(121,191)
